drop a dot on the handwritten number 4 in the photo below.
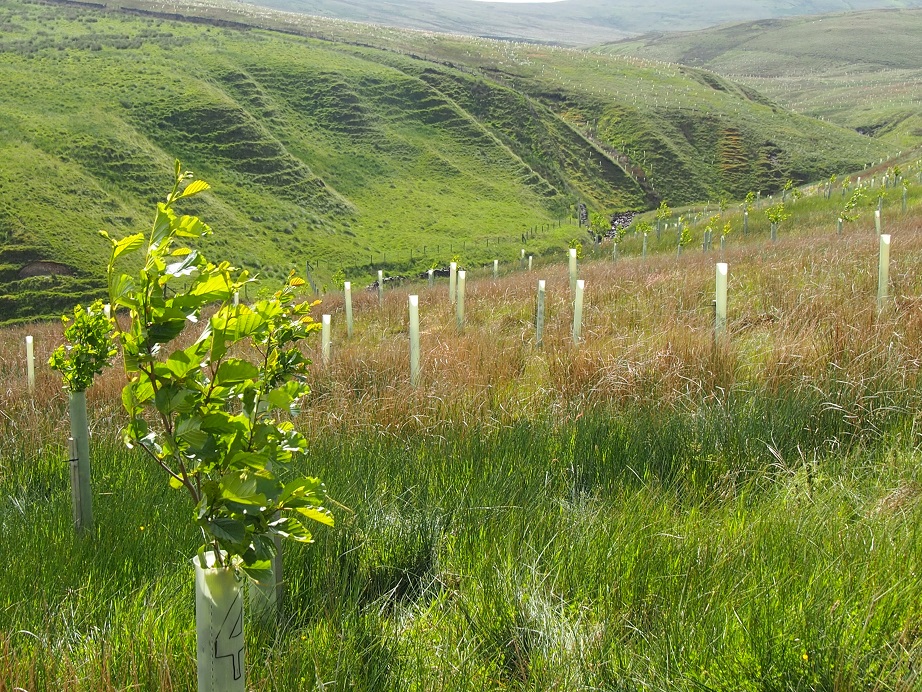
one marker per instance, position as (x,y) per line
(229,642)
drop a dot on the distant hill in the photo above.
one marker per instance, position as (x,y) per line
(350,147)
(862,70)
(570,22)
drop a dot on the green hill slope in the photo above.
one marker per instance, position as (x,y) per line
(862,70)
(350,156)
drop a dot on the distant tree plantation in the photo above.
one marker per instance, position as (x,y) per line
(354,149)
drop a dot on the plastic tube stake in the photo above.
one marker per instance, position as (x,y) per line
(462,275)
(720,297)
(578,311)
(572,260)
(539,316)
(347,290)
(30,363)
(452,282)
(80,464)
(219,620)
(644,251)
(530,257)
(325,339)
(380,288)
(495,268)
(883,270)
(431,278)
(414,340)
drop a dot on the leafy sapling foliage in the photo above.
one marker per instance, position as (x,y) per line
(87,350)
(642,227)
(777,213)
(215,414)
(850,212)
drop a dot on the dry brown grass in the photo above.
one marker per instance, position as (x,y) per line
(797,310)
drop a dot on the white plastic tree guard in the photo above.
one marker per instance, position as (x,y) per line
(883,270)
(720,300)
(539,314)
(452,282)
(219,621)
(347,291)
(81,490)
(462,280)
(414,340)
(572,260)
(578,311)
(30,363)
(380,287)
(325,339)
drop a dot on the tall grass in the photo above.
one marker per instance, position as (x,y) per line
(648,510)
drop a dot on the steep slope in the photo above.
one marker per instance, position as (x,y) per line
(862,70)
(354,150)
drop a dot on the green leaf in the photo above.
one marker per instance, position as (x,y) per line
(319,514)
(290,527)
(234,370)
(242,488)
(190,227)
(226,529)
(260,571)
(194,188)
(300,488)
(182,363)
(162,224)
(212,287)
(127,244)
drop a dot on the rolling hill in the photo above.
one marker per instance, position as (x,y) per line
(569,22)
(352,147)
(862,70)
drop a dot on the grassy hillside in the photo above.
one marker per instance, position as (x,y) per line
(862,70)
(574,22)
(354,149)
(651,509)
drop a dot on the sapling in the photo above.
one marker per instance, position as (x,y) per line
(86,351)
(215,416)
(662,216)
(776,214)
(849,212)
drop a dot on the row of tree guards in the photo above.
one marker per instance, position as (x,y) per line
(457,281)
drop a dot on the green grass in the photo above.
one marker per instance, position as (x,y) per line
(360,149)
(650,510)
(860,70)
